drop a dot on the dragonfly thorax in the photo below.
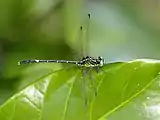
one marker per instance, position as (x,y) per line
(91,62)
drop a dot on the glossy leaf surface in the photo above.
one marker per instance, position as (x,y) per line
(125,91)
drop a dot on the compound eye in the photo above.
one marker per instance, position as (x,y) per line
(100,57)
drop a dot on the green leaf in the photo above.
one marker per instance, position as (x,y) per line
(126,91)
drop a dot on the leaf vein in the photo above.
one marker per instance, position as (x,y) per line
(67,100)
(128,100)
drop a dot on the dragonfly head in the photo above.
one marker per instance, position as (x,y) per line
(101,61)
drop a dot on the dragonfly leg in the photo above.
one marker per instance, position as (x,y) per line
(92,81)
(97,69)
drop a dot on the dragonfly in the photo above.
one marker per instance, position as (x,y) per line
(86,63)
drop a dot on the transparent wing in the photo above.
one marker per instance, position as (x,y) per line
(81,41)
(87,38)
(83,37)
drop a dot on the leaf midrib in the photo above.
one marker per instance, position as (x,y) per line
(128,100)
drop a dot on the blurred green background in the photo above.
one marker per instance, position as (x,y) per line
(120,30)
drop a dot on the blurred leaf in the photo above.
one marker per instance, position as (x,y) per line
(126,91)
